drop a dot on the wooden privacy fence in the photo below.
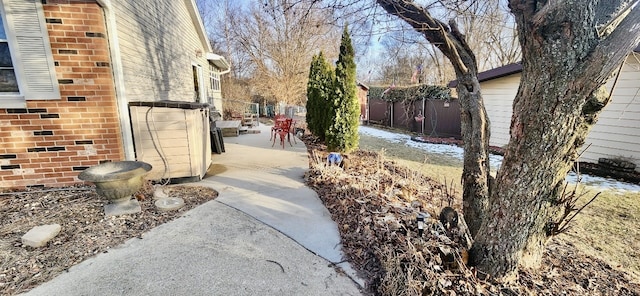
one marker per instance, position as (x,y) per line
(441,118)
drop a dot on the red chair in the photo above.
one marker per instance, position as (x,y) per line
(279,122)
(283,130)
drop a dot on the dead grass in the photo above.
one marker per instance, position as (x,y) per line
(609,228)
(401,151)
(443,169)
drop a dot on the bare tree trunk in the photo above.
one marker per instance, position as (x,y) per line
(545,136)
(475,123)
(565,64)
(475,134)
(569,49)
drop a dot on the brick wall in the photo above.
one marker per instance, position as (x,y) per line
(50,142)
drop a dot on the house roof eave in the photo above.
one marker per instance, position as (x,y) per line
(219,61)
(197,22)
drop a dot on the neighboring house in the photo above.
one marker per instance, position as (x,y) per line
(69,69)
(615,135)
(363,99)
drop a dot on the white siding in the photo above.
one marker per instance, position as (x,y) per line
(159,43)
(498,95)
(615,135)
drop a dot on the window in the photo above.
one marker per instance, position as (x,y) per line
(26,62)
(8,82)
(214,75)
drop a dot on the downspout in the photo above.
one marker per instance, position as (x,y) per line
(118,78)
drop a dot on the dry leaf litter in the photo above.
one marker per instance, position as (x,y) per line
(375,203)
(85,229)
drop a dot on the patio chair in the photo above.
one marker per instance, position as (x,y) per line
(279,121)
(283,130)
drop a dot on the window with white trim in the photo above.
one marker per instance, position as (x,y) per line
(27,71)
(214,77)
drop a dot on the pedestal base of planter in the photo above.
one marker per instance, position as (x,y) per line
(169,204)
(130,206)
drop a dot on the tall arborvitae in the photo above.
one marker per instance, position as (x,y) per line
(342,134)
(313,95)
(319,88)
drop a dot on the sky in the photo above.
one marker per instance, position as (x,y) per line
(599,183)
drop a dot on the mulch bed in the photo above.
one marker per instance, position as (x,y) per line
(599,170)
(85,229)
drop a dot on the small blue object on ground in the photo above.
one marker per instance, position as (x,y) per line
(334,158)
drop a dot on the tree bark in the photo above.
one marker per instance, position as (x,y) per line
(566,61)
(569,49)
(475,134)
(475,122)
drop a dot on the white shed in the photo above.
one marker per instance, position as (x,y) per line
(615,135)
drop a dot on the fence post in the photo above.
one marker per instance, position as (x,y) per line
(391,121)
(423,114)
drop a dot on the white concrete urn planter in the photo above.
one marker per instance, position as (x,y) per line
(117,182)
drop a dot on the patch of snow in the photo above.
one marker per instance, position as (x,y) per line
(601,183)
(444,149)
(495,160)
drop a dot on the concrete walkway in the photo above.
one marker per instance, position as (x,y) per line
(266,234)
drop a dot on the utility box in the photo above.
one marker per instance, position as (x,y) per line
(172,136)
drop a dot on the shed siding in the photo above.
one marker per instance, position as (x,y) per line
(498,97)
(159,44)
(615,135)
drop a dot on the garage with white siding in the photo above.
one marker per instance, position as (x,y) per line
(616,135)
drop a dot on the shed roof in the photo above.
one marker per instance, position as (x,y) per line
(362,85)
(503,71)
(494,73)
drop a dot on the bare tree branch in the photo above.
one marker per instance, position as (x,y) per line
(437,32)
